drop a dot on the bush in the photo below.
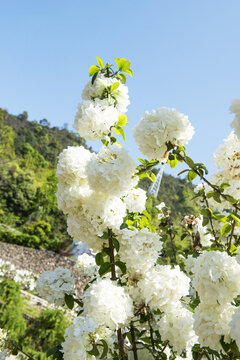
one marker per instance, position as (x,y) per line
(27,240)
(11,310)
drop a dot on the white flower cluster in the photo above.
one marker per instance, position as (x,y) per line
(156,129)
(176,326)
(26,278)
(163,286)
(90,190)
(227,156)
(108,304)
(211,323)
(52,285)
(235,109)
(118,97)
(139,249)
(135,200)
(80,336)
(86,265)
(111,171)
(216,277)
(100,108)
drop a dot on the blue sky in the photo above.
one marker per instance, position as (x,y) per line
(185,54)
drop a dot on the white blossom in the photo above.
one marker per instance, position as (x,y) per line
(205,237)
(52,285)
(94,119)
(216,277)
(235,326)
(71,167)
(111,171)
(135,200)
(212,322)
(108,304)
(139,249)
(78,339)
(227,156)
(163,286)
(176,326)
(26,279)
(86,265)
(159,127)
(6,267)
(118,98)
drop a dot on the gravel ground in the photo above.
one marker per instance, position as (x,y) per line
(38,261)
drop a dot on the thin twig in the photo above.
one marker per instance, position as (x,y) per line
(29,356)
(134,347)
(211,222)
(231,236)
(158,357)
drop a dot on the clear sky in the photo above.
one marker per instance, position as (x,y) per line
(185,54)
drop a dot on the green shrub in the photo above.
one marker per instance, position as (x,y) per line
(11,310)
(44,333)
(27,240)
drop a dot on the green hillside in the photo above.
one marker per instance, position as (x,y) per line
(28,208)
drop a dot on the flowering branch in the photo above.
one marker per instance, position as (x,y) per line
(218,191)
(134,347)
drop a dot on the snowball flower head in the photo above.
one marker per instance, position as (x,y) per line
(176,326)
(212,322)
(98,90)
(235,109)
(71,165)
(108,304)
(139,249)
(216,277)
(206,239)
(111,171)
(162,286)
(94,119)
(86,265)
(52,285)
(159,127)
(135,200)
(77,339)
(227,156)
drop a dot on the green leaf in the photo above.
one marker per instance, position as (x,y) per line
(189,161)
(191,175)
(105,142)
(15,351)
(51,351)
(226,229)
(173,163)
(122,78)
(183,236)
(122,120)
(93,70)
(122,132)
(181,172)
(104,268)
(99,259)
(128,71)
(94,77)
(69,300)
(116,244)
(123,64)
(205,222)
(114,86)
(236,219)
(100,62)
(94,351)
(231,199)
(121,266)
(105,349)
